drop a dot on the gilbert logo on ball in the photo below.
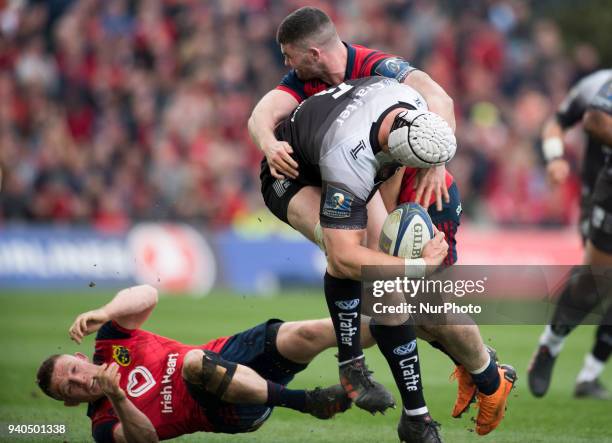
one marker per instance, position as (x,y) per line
(173,257)
(406,231)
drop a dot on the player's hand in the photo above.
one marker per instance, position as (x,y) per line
(435,250)
(280,161)
(87,323)
(557,171)
(428,181)
(108,378)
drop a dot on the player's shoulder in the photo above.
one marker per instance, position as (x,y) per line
(367,62)
(299,89)
(589,85)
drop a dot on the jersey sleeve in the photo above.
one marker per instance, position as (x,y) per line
(103,432)
(111,330)
(347,175)
(293,85)
(572,107)
(603,99)
(342,209)
(103,421)
(386,65)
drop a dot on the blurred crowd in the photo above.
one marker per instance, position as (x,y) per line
(115,111)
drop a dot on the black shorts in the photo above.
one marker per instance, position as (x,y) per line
(255,348)
(600,220)
(278,193)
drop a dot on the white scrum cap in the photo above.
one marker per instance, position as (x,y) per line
(421,139)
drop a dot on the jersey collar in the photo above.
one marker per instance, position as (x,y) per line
(350,60)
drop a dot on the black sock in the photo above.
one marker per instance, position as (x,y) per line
(603,344)
(279,395)
(343,298)
(398,345)
(488,380)
(440,347)
(580,295)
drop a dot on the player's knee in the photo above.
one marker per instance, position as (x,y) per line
(309,332)
(192,365)
(208,370)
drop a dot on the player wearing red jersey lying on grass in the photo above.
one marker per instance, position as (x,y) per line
(319,59)
(142,387)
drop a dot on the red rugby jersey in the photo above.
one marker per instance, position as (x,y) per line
(361,62)
(150,366)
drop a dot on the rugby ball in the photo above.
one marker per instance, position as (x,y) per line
(406,231)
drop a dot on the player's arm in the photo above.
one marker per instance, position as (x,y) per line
(557,168)
(597,119)
(134,426)
(129,308)
(432,180)
(268,112)
(390,189)
(346,255)
(599,124)
(437,99)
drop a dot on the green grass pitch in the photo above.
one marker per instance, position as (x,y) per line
(33,327)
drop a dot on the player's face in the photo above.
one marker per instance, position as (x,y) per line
(300,60)
(73,379)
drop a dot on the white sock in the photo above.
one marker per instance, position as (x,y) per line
(415,412)
(553,341)
(485,366)
(591,370)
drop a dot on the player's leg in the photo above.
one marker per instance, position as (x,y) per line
(585,289)
(587,382)
(303,211)
(239,384)
(396,338)
(476,369)
(297,203)
(228,381)
(302,341)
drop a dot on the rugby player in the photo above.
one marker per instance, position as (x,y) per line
(589,102)
(348,140)
(142,387)
(319,59)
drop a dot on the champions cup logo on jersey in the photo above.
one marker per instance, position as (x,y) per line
(405,349)
(121,355)
(337,203)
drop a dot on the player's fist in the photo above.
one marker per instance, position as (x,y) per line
(108,378)
(87,323)
(278,154)
(435,250)
(557,171)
